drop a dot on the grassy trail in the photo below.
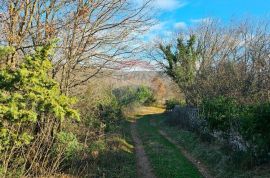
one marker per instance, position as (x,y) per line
(144,169)
(165,157)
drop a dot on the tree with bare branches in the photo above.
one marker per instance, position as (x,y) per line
(92,34)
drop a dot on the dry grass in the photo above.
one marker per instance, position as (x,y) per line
(150,110)
(132,113)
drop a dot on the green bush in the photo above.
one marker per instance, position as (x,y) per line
(67,143)
(170,104)
(252,121)
(31,104)
(221,113)
(133,94)
(255,126)
(111,114)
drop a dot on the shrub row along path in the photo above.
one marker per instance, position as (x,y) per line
(157,154)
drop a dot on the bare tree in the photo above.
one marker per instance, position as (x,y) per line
(233,60)
(92,34)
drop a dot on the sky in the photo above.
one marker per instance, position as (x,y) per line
(177,15)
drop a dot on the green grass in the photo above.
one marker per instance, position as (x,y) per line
(212,155)
(120,160)
(165,158)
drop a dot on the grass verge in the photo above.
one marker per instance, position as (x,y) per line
(165,158)
(119,160)
(212,155)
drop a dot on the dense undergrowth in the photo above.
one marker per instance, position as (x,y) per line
(226,96)
(108,147)
(37,138)
(32,109)
(221,160)
(250,121)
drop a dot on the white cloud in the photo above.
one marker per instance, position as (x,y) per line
(165,5)
(169,5)
(202,20)
(180,25)
(156,30)
(157,27)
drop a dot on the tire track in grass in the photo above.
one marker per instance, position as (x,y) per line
(144,169)
(202,168)
(166,159)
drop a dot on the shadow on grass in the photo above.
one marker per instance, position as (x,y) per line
(220,162)
(165,158)
(113,157)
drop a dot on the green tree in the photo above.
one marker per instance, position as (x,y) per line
(182,65)
(30,101)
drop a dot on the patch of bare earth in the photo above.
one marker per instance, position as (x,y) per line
(202,168)
(144,169)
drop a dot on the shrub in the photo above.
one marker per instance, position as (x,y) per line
(133,94)
(170,104)
(31,111)
(111,114)
(255,126)
(68,144)
(251,121)
(221,113)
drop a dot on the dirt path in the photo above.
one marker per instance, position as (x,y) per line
(202,168)
(144,169)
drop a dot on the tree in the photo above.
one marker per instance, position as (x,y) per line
(93,35)
(159,88)
(230,60)
(31,109)
(182,65)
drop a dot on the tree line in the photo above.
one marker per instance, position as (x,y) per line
(224,70)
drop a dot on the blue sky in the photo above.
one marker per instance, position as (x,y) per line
(176,15)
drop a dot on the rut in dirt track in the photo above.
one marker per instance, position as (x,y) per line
(144,169)
(202,168)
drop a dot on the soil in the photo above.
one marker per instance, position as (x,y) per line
(144,169)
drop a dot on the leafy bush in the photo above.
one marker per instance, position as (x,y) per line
(221,113)
(105,135)
(111,114)
(31,111)
(131,95)
(67,143)
(251,121)
(255,126)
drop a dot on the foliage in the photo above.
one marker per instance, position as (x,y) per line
(120,98)
(69,142)
(221,113)
(251,121)
(105,136)
(5,50)
(255,125)
(221,162)
(111,114)
(223,66)
(28,98)
(170,104)
(159,89)
(182,64)
(131,95)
